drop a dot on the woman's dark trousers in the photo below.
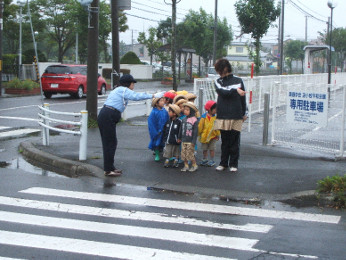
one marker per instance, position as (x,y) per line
(107,121)
(230,145)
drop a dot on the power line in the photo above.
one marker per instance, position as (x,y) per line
(155,8)
(305,12)
(144,18)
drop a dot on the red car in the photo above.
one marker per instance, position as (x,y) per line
(68,78)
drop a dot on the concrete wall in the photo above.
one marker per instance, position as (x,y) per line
(138,71)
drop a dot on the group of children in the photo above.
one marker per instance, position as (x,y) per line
(174,125)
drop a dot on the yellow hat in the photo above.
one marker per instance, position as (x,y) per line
(182,92)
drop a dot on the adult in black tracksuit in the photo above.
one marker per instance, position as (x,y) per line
(231,113)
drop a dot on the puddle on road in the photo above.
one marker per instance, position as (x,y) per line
(21,164)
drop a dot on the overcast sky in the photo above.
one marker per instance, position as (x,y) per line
(147,13)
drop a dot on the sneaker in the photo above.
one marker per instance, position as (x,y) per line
(233,169)
(193,168)
(211,163)
(114,173)
(166,164)
(175,164)
(184,169)
(157,158)
(204,162)
(220,168)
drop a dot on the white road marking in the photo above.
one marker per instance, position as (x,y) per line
(227,242)
(125,214)
(19,118)
(87,247)
(201,207)
(18,132)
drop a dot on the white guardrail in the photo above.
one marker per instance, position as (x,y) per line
(45,120)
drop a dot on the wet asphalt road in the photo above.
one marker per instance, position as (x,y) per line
(49,217)
(276,234)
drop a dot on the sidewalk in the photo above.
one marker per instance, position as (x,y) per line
(265,172)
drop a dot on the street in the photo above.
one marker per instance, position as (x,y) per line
(45,217)
(48,216)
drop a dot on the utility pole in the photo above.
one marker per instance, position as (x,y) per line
(115,44)
(1,28)
(215,34)
(92,71)
(306,28)
(282,36)
(173,44)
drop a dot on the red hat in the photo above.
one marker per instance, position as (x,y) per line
(169,95)
(209,104)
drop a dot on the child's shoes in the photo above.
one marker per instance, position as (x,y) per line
(166,164)
(211,163)
(204,162)
(175,164)
(193,168)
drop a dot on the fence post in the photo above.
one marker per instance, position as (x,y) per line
(45,132)
(266,118)
(84,136)
(342,137)
(200,100)
(250,104)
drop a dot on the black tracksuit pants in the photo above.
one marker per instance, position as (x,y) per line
(107,121)
(230,146)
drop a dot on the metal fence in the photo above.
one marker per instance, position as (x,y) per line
(45,120)
(328,139)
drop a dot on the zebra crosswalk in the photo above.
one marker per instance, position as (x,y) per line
(8,132)
(98,225)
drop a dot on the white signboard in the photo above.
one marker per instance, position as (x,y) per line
(307,107)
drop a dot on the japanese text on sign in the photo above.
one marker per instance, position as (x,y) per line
(307,107)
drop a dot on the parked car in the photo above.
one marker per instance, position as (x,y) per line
(68,78)
(211,72)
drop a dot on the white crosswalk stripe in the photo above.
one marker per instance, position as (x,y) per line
(181,228)
(188,206)
(10,133)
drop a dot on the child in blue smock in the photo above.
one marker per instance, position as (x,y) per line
(156,121)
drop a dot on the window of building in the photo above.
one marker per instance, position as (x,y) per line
(239,49)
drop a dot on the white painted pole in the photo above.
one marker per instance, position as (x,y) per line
(84,136)
(342,138)
(45,130)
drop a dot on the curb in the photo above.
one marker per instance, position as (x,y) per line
(57,164)
(76,169)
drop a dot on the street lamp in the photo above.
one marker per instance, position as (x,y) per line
(331,5)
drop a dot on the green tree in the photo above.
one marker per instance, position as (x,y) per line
(293,50)
(60,22)
(255,18)
(152,43)
(130,58)
(197,32)
(339,44)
